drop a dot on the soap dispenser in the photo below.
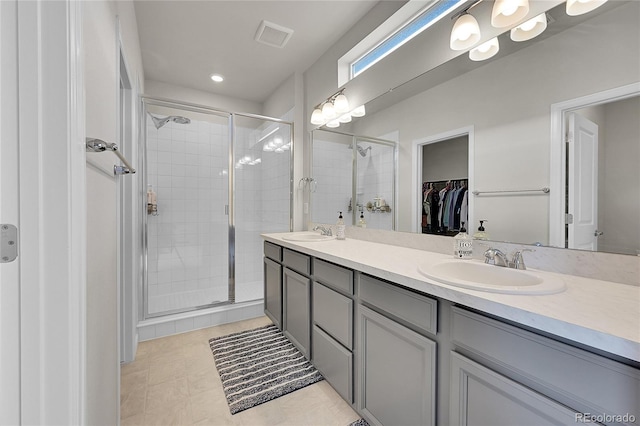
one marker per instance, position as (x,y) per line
(481,234)
(462,244)
(362,223)
(340,228)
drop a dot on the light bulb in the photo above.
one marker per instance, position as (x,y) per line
(485,50)
(345,118)
(217,78)
(358,112)
(507,13)
(317,117)
(328,111)
(530,29)
(277,140)
(579,7)
(341,104)
(465,33)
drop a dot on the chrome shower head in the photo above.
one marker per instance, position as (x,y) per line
(161,121)
(363,151)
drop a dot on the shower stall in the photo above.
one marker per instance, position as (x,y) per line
(214,181)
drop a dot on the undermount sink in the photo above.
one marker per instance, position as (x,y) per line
(494,279)
(308,237)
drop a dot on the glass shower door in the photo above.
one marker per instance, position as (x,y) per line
(187,151)
(262,196)
(375,183)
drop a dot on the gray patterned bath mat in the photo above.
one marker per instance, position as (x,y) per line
(257,366)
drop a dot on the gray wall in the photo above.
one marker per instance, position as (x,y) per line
(446,160)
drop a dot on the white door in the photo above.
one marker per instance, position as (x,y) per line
(9,271)
(583,183)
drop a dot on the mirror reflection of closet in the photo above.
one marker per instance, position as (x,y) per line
(444,188)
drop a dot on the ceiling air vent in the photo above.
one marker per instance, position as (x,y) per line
(273,34)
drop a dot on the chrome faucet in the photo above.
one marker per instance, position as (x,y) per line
(496,257)
(323,230)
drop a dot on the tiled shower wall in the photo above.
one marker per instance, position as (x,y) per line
(188,251)
(332,170)
(375,179)
(187,240)
(332,174)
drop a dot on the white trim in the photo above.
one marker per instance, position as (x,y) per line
(52,212)
(557,149)
(416,168)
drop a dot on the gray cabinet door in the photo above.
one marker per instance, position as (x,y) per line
(273,291)
(480,396)
(397,372)
(296,321)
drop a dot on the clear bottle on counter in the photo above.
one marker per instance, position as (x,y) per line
(463,244)
(340,227)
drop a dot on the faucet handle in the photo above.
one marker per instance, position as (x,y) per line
(517,259)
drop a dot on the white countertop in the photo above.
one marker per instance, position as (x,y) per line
(600,314)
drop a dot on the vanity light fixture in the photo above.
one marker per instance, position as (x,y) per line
(333,111)
(485,51)
(465,32)
(529,29)
(507,13)
(579,7)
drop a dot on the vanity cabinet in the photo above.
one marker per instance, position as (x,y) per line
(333,313)
(529,376)
(397,365)
(388,350)
(296,300)
(273,283)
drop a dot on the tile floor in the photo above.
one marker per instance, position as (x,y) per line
(174,381)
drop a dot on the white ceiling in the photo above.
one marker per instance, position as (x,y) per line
(183,42)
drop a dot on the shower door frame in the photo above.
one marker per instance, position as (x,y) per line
(231,140)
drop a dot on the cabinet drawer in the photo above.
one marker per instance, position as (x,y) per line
(273,251)
(333,312)
(333,275)
(334,362)
(297,261)
(415,309)
(574,377)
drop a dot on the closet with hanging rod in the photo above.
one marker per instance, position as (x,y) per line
(445,206)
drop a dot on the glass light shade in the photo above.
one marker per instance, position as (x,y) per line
(579,7)
(507,13)
(328,111)
(277,141)
(485,51)
(465,33)
(341,104)
(286,146)
(317,117)
(345,118)
(333,124)
(529,29)
(358,112)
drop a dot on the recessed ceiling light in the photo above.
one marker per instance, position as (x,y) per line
(217,78)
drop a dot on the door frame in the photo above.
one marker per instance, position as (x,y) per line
(558,152)
(416,171)
(52,216)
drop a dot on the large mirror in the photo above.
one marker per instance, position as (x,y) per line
(506,106)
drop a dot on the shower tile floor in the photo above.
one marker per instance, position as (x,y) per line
(174,381)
